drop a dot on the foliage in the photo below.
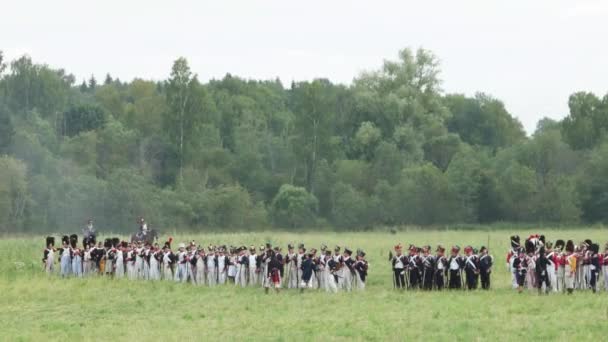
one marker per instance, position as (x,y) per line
(392,148)
(294,207)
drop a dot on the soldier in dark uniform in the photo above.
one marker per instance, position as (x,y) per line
(520,264)
(455,264)
(441,268)
(399,263)
(485,267)
(415,267)
(361,267)
(542,275)
(428,268)
(307,268)
(594,266)
(471,268)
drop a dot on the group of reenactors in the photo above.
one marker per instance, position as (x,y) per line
(266,266)
(557,267)
(421,269)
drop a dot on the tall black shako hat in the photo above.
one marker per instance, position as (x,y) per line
(530,248)
(570,246)
(595,248)
(50,241)
(73,240)
(65,239)
(515,242)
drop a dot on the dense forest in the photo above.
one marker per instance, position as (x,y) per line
(392,148)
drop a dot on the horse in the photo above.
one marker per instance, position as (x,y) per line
(148,237)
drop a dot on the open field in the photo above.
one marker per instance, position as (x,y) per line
(36,308)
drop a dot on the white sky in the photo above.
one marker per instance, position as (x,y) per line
(532,54)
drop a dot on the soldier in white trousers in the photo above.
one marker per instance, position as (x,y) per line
(222,266)
(211,266)
(253,267)
(181,273)
(291,261)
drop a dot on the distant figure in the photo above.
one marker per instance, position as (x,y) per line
(485,268)
(88,232)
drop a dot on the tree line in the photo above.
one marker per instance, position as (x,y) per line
(389,149)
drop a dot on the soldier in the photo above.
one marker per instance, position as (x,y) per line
(331,267)
(212,265)
(570,267)
(156,256)
(181,274)
(301,255)
(471,268)
(594,266)
(243,266)
(520,263)
(441,268)
(192,257)
(48,257)
(231,257)
(109,256)
(131,260)
(273,273)
(87,261)
(278,255)
(119,271)
(348,270)
(399,263)
(485,267)
(265,257)
(414,266)
(139,261)
(428,268)
(292,268)
(168,260)
(455,263)
(65,257)
(511,255)
(253,266)
(531,280)
(76,256)
(147,252)
(222,265)
(361,267)
(560,264)
(552,266)
(587,264)
(542,275)
(307,267)
(201,263)
(320,270)
(337,257)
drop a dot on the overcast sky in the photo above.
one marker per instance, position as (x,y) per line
(532,54)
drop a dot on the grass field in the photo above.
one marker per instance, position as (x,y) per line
(35,308)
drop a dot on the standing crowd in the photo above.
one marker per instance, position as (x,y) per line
(421,269)
(559,267)
(265,267)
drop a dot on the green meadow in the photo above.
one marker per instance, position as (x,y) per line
(35,307)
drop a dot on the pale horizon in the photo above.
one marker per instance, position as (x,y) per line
(531,56)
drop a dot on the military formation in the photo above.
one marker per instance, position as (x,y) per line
(562,266)
(534,264)
(265,266)
(421,268)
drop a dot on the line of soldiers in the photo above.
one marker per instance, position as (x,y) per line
(559,267)
(421,269)
(216,265)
